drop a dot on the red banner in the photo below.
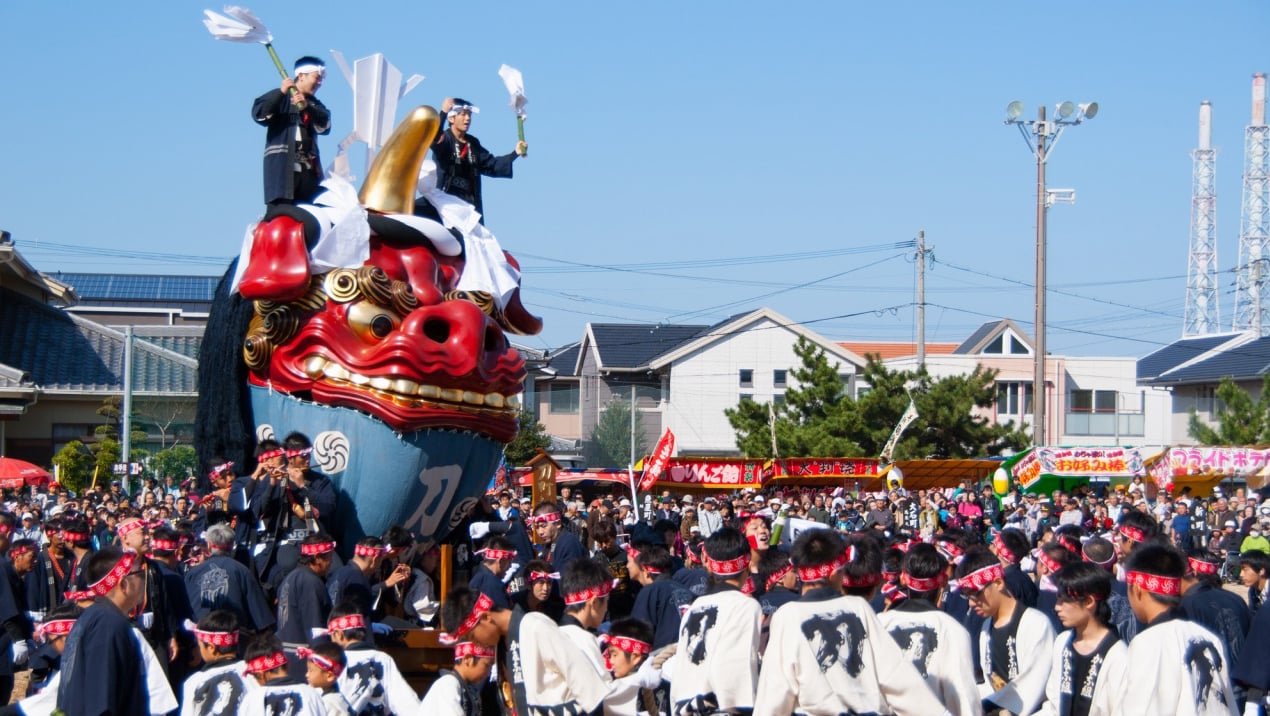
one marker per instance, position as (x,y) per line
(657,463)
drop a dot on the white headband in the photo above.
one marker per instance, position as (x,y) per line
(463,108)
(307,68)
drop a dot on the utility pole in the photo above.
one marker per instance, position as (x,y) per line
(1038,381)
(921,299)
(126,423)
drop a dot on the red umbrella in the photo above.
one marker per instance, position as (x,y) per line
(17,473)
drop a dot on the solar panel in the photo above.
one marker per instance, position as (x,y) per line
(132,287)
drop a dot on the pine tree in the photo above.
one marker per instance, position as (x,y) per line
(610,443)
(531,436)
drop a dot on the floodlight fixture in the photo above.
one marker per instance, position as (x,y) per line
(1088,110)
(1014,110)
(1065,110)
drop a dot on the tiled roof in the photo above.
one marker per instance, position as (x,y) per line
(564,361)
(62,352)
(629,346)
(11,377)
(982,332)
(1175,354)
(895,349)
(1247,360)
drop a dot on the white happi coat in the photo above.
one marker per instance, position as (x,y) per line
(589,646)
(162,700)
(832,656)
(364,668)
(1108,689)
(444,697)
(718,651)
(291,700)
(228,689)
(1031,652)
(555,671)
(1181,668)
(939,648)
(43,703)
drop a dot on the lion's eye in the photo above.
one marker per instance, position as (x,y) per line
(372,323)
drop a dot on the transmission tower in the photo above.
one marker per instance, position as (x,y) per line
(1201,316)
(1252,299)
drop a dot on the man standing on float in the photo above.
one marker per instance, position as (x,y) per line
(461,160)
(293,118)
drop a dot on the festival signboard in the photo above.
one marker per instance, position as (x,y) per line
(1041,469)
(1209,464)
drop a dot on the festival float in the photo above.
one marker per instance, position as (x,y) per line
(375,322)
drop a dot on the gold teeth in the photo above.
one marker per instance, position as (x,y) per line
(408,392)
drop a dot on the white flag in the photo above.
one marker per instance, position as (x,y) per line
(240,26)
(515,84)
(910,414)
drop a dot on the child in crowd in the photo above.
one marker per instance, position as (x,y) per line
(278,691)
(370,679)
(1090,661)
(219,687)
(458,692)
(326,663)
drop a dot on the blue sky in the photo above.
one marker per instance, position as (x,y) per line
(708,133)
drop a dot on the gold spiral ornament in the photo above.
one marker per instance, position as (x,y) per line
(341,285)
(482,299)
(403,299)
(375,285)
(281,324)
(256,350)
(264,307)
(314,299)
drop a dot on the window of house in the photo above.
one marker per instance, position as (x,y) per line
(747,377)
(996,346)
(1017,346)
(745,397)
(778,399)
(778,378)
(564,399)
(1014,398)
(1092,401)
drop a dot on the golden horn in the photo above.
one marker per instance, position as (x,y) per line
(394,173)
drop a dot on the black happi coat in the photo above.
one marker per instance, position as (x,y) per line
(274,111)
(460,167)
(102,669)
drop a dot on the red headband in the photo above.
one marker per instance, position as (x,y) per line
(271,454)
(164,545)
(582,597)
(821,572)
(544,517)
(626,644)
(483,604)
(496,554)
(980,578)
(1003,551)
(117,573)
(265,664)
(313,550)
(323,663)
(1050,563)
(867,580)
(129,527)
(543,576)
(363,550)
(81,596)
(223,467)
(214,638)
(922,585)
(778,575)
(471,648)
(1154,583)
(1199,566)
(748,587)
(302,452)
(1133,533)
(56,627)
(352,621)
(18,551)
(5,529)
(726,568)
(951,551)
(74,536)
(893,594)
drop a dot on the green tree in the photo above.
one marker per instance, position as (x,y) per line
(178,461)
(531,436)
(610,443)
(818,418)
(1240,421)
(74,465)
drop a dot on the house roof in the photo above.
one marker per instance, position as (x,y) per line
(986,333)
(1237,359)
(629,346)
(65,353)
(564,361)
(1177,353)
(10,257)
(885,350)
(739,323)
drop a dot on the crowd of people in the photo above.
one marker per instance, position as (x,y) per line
(231,597)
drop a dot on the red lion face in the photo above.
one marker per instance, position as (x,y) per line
(391,339)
